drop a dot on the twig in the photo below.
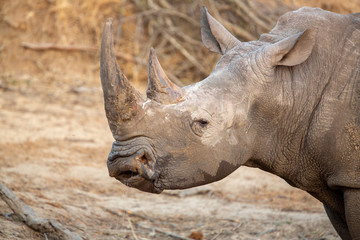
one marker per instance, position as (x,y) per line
(181,68)
(174,235)
(251,15)
(130,213)
(193,42)
(119,26)
(184,52)
(221,230)
(27,215)
(268,20)
(163,11)
(270,230)
(149,43)
(78,140)
(239,31)
(52,46)
(165,4)
(231,27)
(142,13)
(127,212)
(170,26)
(11,22)
(132,229)
(137,39)
(237,227)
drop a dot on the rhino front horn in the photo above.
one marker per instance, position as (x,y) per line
(160,88)
(122,101)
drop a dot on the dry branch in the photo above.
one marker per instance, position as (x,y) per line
(136,49)
(119,26)
(132,229)
(128,213)
(218,234)
(124,56)
(184,52)
(52,46)
(268,19)
(242,33)
(27,215)
(132,214)
(253,18)
(169,12)
(174,235)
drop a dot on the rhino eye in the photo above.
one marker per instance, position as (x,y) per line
(202,122)
(198,126)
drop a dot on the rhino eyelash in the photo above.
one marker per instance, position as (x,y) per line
(202,122)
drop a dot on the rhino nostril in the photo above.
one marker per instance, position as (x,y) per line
(146,166)
(144,160)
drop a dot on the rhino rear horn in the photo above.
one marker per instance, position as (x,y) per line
(160,88)
(122,101)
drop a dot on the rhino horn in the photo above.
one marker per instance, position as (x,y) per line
(160,88)
(122,101)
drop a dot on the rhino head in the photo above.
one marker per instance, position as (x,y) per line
(176,138)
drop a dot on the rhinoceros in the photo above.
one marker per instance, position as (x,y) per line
(288,104)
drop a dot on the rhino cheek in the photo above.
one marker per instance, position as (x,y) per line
(177,172)
(189,169)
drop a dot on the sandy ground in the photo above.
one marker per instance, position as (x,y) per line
(53,147)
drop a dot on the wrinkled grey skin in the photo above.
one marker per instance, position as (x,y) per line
(288,103)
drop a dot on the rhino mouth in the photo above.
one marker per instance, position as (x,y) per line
(134,168)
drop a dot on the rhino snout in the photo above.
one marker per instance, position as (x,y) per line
(136,170)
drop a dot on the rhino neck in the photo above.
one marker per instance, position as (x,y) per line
(317,100)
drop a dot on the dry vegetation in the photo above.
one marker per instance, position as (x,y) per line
(171,27)
(54,136)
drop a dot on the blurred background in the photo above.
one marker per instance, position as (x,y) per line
(74,28)
(54,137)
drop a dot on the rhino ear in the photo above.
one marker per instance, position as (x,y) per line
(214,35)
(292,50)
